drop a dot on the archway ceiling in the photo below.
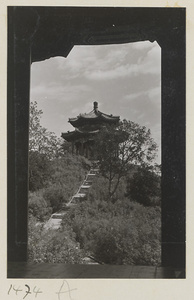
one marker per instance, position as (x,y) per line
(53,31)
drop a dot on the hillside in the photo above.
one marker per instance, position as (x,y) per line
(113,231)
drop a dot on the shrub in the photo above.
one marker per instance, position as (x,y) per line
(52,246)
(55,196)
(97,193)
(55,183)
(38,207)
(119,233)
(144,188)
(39,170)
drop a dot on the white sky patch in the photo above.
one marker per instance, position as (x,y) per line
(131,97)
(143,45)
(124,79)
(155,94)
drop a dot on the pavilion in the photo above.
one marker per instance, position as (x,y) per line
(87,126)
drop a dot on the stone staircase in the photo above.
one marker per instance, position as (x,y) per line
(82,191)
(56,219)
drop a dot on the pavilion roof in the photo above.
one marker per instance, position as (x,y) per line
(93,117)
(77,133)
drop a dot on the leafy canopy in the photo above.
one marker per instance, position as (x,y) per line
(44,146)
(120,147)
(40,139)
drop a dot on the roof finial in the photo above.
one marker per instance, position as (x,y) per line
(95,106)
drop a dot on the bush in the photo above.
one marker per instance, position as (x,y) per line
(55,196)
(39,170)
(52,246)
(54,182)
(96,192)
(113,230)
(38,207)
(119,233)
(144,188)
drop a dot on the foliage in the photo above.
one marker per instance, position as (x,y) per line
(119,233)
(69,170)
(38,207)
(120,147)
(57,183)
(65,176)
(101,194)
(144,187)
(44,146)
(40,139)
(66,147)
(107,225)
(39,170)
(59,174)
(52,246)
(55,195)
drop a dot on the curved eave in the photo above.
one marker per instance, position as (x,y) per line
(77,134)
(85,119)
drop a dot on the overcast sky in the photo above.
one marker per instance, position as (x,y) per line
(124,79)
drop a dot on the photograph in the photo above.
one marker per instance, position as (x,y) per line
(96,142)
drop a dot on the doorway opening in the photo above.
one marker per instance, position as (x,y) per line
(66,198)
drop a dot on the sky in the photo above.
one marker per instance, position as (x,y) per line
(124,79)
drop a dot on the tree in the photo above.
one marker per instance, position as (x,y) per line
(40,139)
(66,147)
(144,187)
(39,170)
(44,146)
(122,147)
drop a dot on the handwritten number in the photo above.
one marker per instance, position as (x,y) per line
(17,290)
(36,292)
(10,289)
(27,292)
(64,289)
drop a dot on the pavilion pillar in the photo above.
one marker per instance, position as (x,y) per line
(173,149)
(18,128)
(77,148)
(81,148)
(72,147)
(86,150)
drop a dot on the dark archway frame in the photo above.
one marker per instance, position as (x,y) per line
(38,33)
